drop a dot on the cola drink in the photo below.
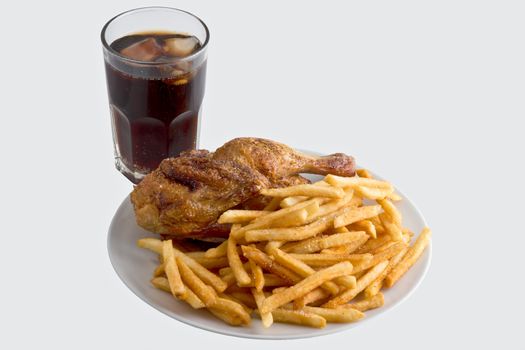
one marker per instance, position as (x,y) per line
(155,82)
(155,108)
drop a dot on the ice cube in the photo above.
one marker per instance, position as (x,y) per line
(146,50)
(180,47)
(176,69)
(184,66)
(177,72)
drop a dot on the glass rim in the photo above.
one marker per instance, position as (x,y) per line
(107,46)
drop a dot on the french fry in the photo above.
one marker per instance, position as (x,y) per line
(298,317)
(394,197)
(268,264)
(373,244)
(230,280)
(318,260)
(296,218)
(205,293)
(374,302)
(348,248)
(228,318)
(225,271)
(288,234)
(203,273)
(195,255)
(407,238)
(172,271)
(300,268)
(244,294)
(234,216)
(373,193)
(392,229)
(230,311)
(364,173)
(391,210)
(244,298)
(364,225)
(257,275)
(242,277)
(382,248)
(306,285)
(308,190)
(338,250)
(336,315)
(410,257)
(278,290)
(346,281)
(273,204)
(332,206)
(211,263)
(271,245)
(266,220)
(310,297)
(316,244)
(356,201)
(377,225)
(381,256)
(351,215)
(234,288)
(163,284)
(299,246)
(312,209)
(362,283)
(159,271)
(408,232)
(355,181)
(153,244)
(359,274)
(317,303)
(270,280)
(217,252)
(280,213)
(266,318)
(290,201)
(375,286)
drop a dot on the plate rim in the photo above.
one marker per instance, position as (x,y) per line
(233,330)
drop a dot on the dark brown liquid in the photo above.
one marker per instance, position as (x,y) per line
(155,109)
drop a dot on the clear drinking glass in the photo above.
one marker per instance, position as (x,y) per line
(155,60)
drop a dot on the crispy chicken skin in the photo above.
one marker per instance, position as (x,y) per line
(185,195)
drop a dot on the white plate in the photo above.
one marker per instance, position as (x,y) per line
(135,267)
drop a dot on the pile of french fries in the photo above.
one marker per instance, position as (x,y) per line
(317,253)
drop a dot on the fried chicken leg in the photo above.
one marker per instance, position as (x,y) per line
(185,195)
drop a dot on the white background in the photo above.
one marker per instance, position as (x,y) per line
(429,94)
